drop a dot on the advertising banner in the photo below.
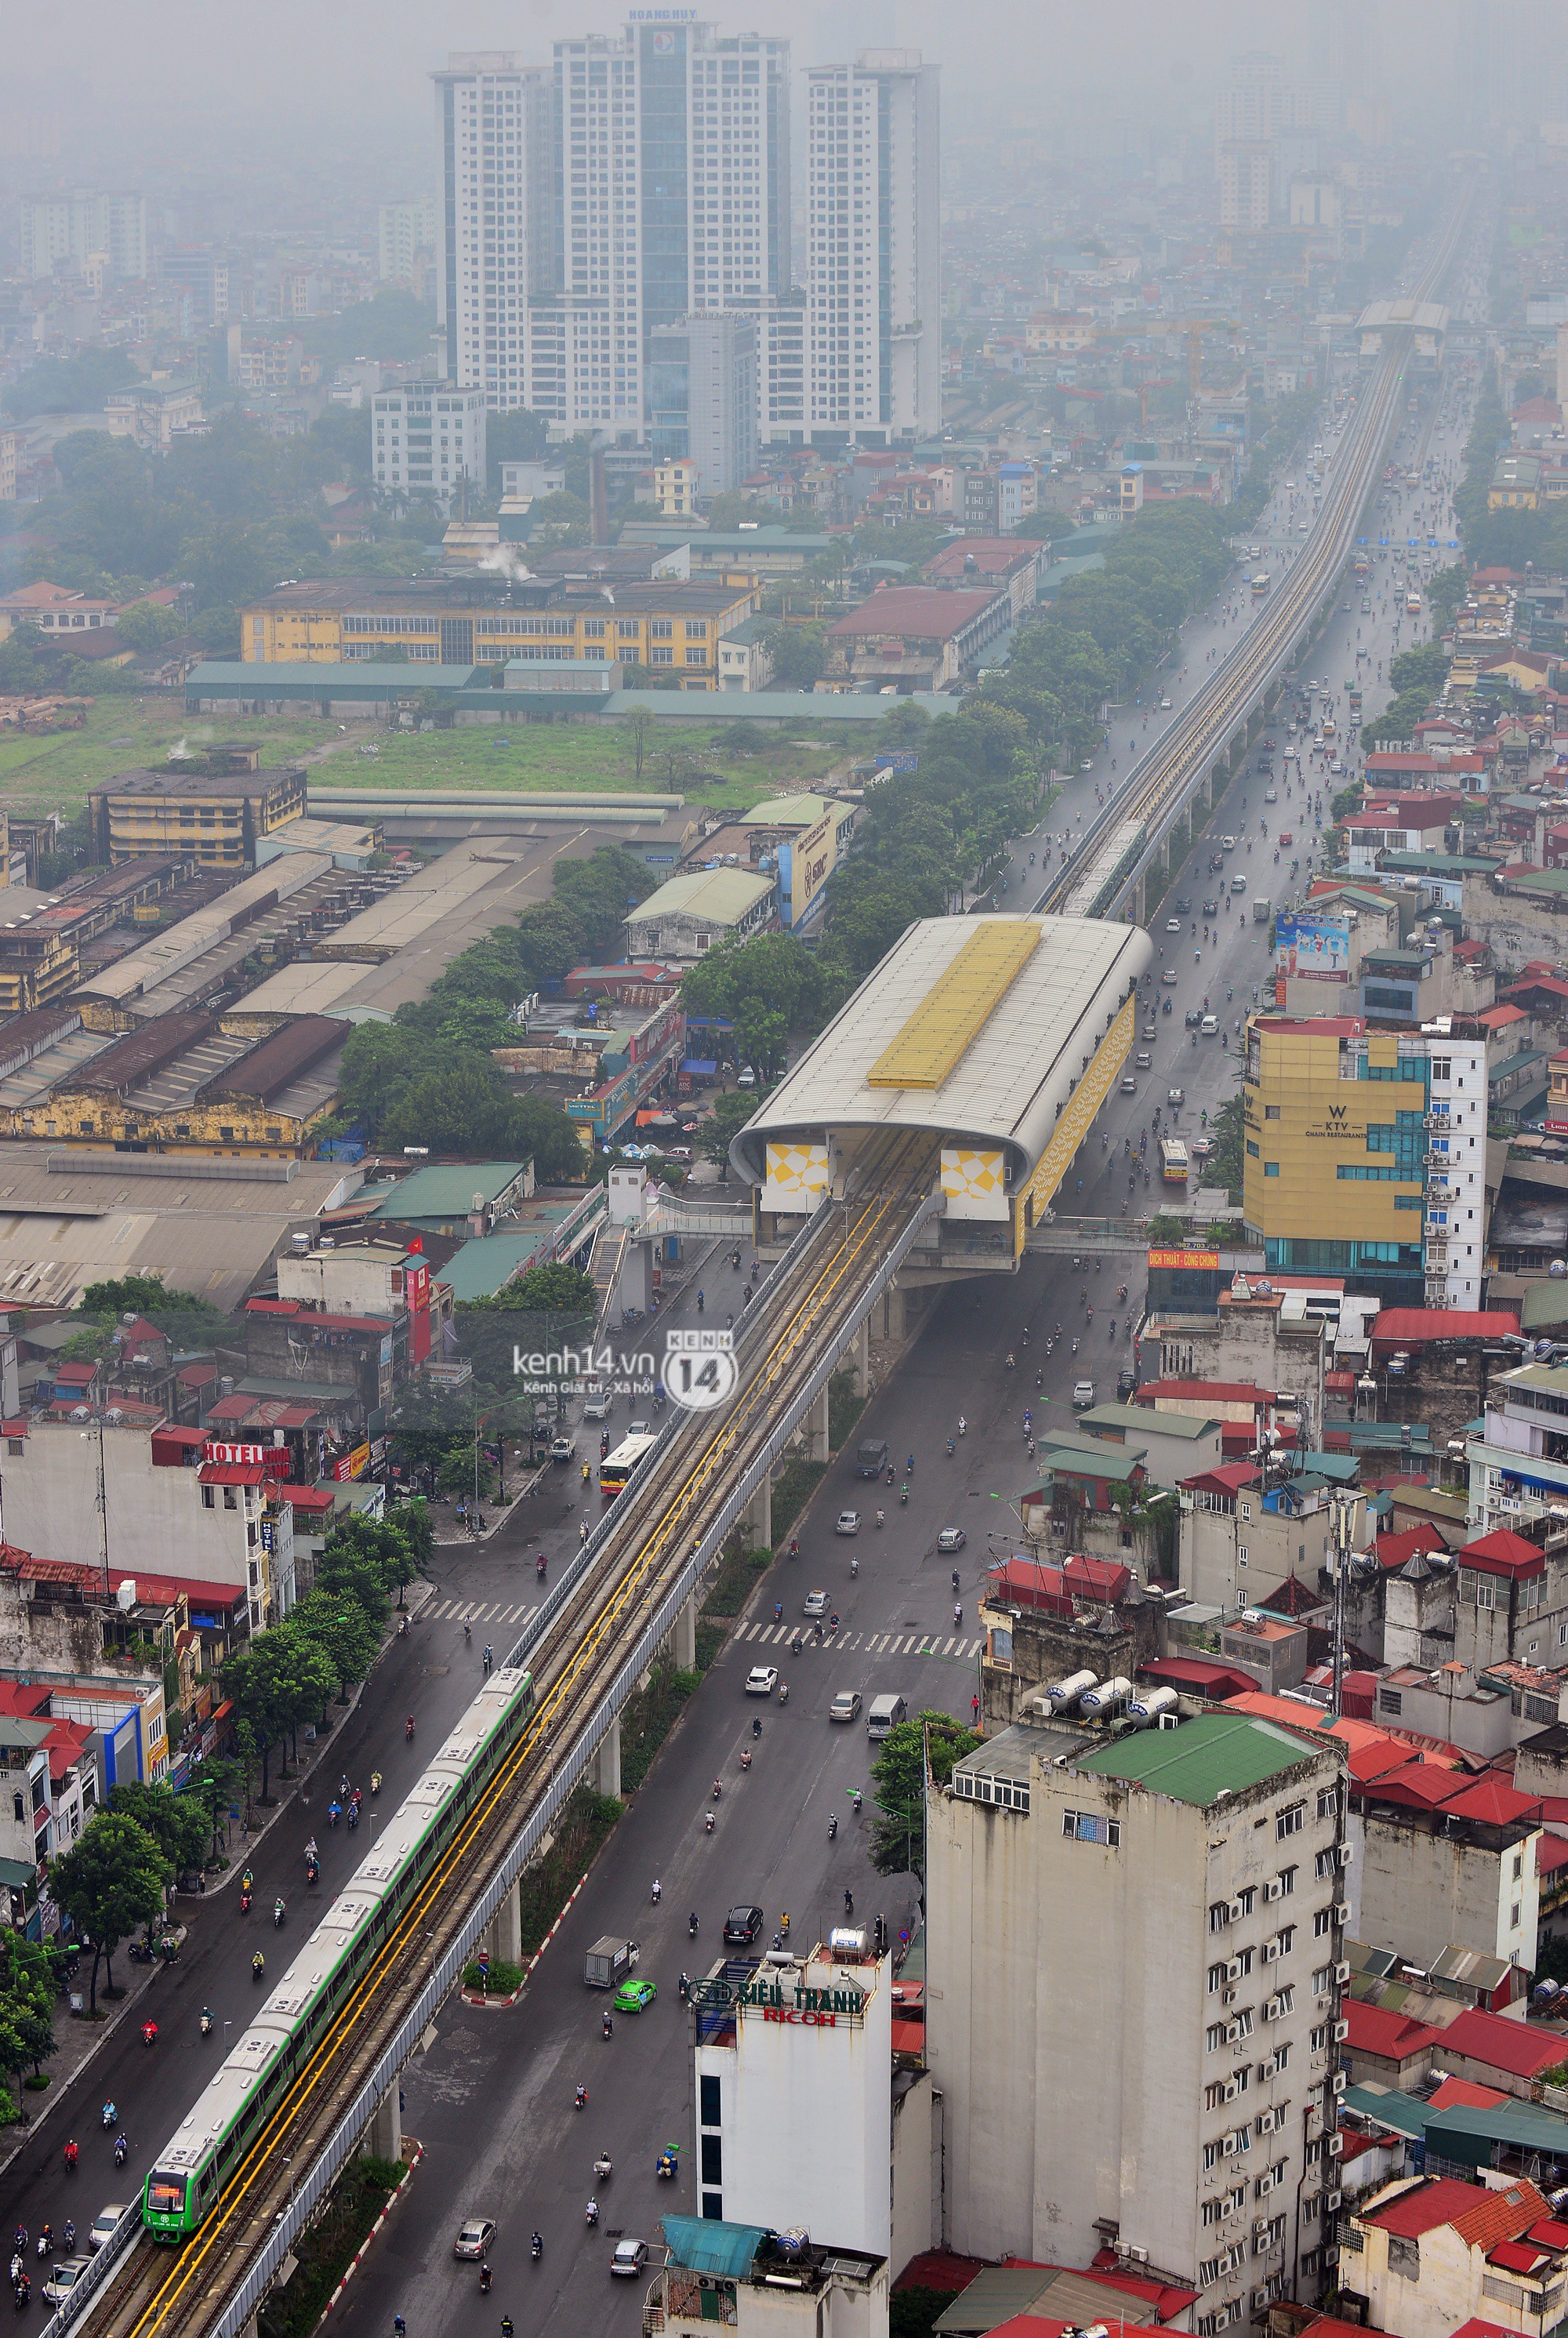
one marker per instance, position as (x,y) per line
(1309,949)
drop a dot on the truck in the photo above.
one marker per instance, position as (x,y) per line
(608,1961)
(871,1457)
(1261,910)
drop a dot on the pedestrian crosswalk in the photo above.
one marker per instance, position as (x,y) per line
(876,1643)
(470,1611)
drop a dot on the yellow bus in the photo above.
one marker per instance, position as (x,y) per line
(1173,1160)
(617,1468)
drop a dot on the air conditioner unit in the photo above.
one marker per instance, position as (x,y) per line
(1341,1973)
(1342,1913)
(1233,2032)
(1333,2144)
(1346,1853)
(1231,2146)
(1341,2032)
(1138,2256)
(1272,1951)
(1233,1970)
(1273,2010)
(1337,2083)
(1331,2256)
(1233,2089)
(1274,1890)
(1332,2200)
(1238,1911)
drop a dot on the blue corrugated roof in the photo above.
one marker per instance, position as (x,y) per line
(708,2244)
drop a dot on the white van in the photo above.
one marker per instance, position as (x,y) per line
(885,1712)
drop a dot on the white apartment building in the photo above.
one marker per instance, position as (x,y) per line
(78,227)
(405,229)
(1133,1979)
(1519,1463)
(1454,1226)
(1246,169)
(426,440)
(872,243)
(495,114)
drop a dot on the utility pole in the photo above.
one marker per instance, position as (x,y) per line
(1342,1512)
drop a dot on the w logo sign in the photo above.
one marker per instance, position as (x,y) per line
(1336,1114)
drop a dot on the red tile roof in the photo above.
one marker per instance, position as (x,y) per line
(1205,1391)
(928,613)
(1464,2093)
(1392,2037)
(1501,2044)
(1425,2206)
(1516,2256)
(1502,1553)
(1410,1327)
(1494,1803)
(1391,1550)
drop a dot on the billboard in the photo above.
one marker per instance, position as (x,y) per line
(1310,949)
(797,1177)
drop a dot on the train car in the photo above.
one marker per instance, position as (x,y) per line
(189,2175)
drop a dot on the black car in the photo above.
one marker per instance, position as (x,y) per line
(1210,908)
(1194,1017)
(1183,908)
(741,1926)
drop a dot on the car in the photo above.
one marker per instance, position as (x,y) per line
(1344,608)
(63,2277)
(1337,768)
(628,2259)
(1201,1147)
(1286,836)
(1172,925)
(562,1448)
(746,1077)
(1215,863)
(1143,1059)
(816,1603)
(1129,1085)
(1193,1017)
(952,1538)
(847,1522)
(761,1680)
(677,1153)
(1176,1098)
(1210,908)
(597,1402)
(1271,795)
(1150,1031)
(1169,978)
(1208,1027)
(1227,844)
(105,2222)
(1082,1395)
(1365,608)
(845,1705)
(633,1996)
(1164,706)
(1087,764)
(1182,906)
(474,2236)
(741,1926)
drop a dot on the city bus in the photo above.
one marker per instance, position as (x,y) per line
(1260,583)
(1413,603)
(617,1467)
(1172,1161)
(1359,566)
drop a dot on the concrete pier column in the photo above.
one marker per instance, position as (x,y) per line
(757,1525)
(686,1637)
(814,1429)
(384,2135)
(607,1779)
(861,1358)
(504,1938)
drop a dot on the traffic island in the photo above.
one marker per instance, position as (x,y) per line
(492,1982)
(329,2251)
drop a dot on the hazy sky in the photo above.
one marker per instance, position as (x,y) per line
(206,77)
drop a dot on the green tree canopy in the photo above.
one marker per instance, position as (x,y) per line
(176,1826)
(898,1786)
(344,1634)
(113,1878)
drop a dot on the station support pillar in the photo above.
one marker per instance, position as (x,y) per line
(608,1760)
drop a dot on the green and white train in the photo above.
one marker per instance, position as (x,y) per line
(189,2175)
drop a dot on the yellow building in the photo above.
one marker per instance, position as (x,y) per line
(191,812)
(675,487)
(1515,483)
(675,624)
(1335,1142)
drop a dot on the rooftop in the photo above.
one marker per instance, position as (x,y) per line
(724,895)
(1207,1759)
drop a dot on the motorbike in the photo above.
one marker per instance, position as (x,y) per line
(122,2151)
(109,2117)
(535,2248)
(590,2213)
(691,1925)
(148,2033)
(206,2023)
(746,1757)
(602,2167)
(279,1912)
(707,1821)
(70,2157)
(783,1692)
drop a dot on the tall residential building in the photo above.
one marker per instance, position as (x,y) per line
(496,221)
(427,440)
(1132,1977)
(405,229)
(873,265)
(76,228)
(702,394)
(1264,126)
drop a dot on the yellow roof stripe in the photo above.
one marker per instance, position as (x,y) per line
(955,1009)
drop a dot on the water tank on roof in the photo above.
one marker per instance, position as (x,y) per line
(1062,1694)
(1559,1267)
(1108,1698)
(1146,1709)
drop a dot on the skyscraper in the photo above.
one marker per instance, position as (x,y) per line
(496,217)
(874,269)
(77,227)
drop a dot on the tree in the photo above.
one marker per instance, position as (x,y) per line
(27,1995)
(146,624)
(176,1824)
(342,1631)
(563,1290)
(728,1117)
(141,1294)
(213,1789)
(898,1786)
(800,655)
(261,1680)
(640,722)
(113,1878)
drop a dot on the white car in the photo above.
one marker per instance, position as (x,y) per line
(1082,1395)
(1227,844)
(951,1538)
(1164,706)
(847,1522)
(104,2222)
(630,2258)
(1172,925)
(816,1603)
(63,2277)
(761,1680)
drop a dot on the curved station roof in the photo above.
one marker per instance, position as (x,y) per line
(977,1029)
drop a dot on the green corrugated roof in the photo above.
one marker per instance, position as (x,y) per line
(708,2244)
(1219,1752)
(448,1193)
(1139,1418)
(1528,2125)
(480,1269)
(1403,2113)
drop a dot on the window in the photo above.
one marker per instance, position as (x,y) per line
(1254,1152)
(209,1497)
(1390,1700)
(1270,1168)
(1218,1976)
(1328,1802)
(1289,1822)
(1322,1924)
(1271,1112)
(1319,2041)
(1287,1880)
(1085,1826)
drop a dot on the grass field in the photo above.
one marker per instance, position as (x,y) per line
(54,774)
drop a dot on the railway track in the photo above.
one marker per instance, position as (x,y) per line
(650,1534)
(1091,881)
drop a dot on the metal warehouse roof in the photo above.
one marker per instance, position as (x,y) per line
(979,1027)
(721,894)
(1217,1753)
